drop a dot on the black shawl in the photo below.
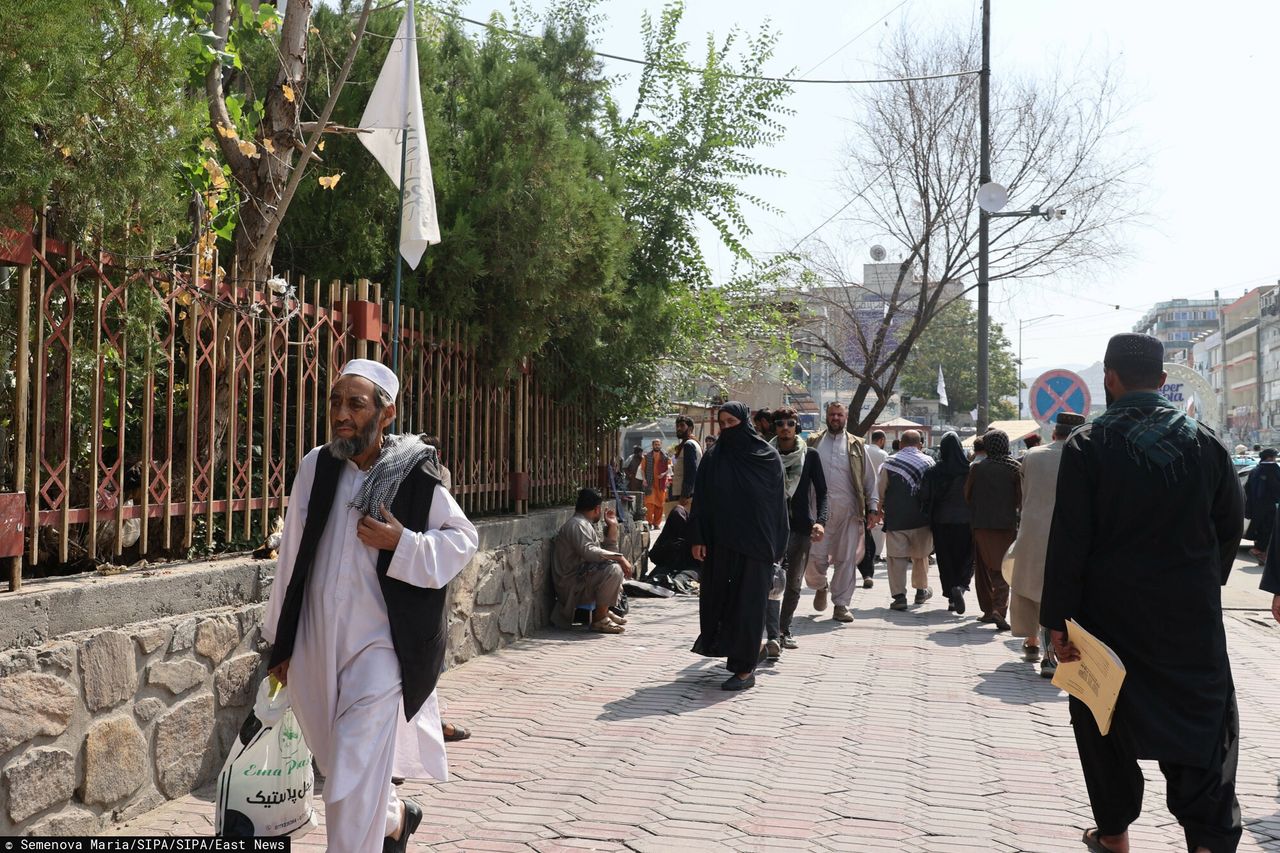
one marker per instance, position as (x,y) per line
(740,499)
(416,614)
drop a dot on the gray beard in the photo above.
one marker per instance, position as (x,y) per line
(348,448)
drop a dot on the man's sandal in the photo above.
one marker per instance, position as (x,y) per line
(607,626)
(1093,841)
(458,733)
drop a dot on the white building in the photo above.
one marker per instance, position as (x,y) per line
(1269,347)
(1206,359)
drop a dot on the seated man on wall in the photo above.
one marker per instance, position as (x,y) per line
(587,571)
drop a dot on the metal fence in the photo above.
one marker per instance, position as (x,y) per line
(162,410)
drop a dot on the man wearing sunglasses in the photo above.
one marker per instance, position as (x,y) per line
(807,515)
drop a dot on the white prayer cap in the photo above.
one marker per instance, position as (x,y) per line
(376,372)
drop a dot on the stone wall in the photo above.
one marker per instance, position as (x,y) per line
(117,693)
(99,726)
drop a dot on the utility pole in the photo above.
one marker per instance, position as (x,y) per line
(984,222)
(1222,361)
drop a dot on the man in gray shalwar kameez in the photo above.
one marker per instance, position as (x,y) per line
(588,571)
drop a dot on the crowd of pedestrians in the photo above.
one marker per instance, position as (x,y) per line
(837,503)
(1125,526)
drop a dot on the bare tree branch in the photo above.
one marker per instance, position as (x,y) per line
(913,165)
(266,243)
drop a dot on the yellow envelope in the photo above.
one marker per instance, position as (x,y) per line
(1095,679)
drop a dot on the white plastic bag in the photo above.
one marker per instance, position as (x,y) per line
(778,584)
(266,782)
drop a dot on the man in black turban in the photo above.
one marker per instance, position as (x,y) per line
(1145,528)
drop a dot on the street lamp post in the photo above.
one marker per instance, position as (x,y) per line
(984,223)
(1022,323)
(987,208)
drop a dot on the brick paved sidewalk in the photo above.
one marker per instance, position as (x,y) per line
(917,731)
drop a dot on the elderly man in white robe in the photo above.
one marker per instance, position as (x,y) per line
(357,611)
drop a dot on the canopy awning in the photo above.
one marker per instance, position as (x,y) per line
(1016,430)
(899,423)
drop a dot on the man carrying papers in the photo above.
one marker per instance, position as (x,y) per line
(1094,678)
(1147,521)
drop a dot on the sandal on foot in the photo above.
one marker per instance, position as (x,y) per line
(459,733)
(1093,841)
(607,626)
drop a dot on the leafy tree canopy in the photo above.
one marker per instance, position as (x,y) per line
(951,340)
(93,119)
(570,222)
(569,226)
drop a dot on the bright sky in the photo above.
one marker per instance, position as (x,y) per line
(1202,86)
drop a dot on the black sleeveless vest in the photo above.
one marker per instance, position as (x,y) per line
(416,615)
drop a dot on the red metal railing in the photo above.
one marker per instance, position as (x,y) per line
(158,411)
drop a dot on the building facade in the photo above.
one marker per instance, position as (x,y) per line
(1206,359)
(1241,362)
(1177,323)
(1269,354)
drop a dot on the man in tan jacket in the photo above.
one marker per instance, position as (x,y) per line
(1024,569)
(853,504)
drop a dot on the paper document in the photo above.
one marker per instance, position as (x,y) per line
(1095,679)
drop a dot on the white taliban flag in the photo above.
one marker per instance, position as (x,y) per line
(942,388)
(394,113)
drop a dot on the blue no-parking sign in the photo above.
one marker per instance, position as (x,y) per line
(1057,391)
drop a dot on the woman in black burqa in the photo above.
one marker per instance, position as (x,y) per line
(738,527)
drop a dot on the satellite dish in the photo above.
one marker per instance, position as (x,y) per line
(878,253)
(992,197)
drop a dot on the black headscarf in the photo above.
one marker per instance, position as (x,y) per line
(739,498)
(952,461)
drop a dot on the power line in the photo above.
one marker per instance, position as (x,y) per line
(855,38)
(846,205)
(691,69)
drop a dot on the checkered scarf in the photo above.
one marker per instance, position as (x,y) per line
(910,464)
(1154,432)
(400,454)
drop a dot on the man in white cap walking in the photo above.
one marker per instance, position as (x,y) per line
(357,611)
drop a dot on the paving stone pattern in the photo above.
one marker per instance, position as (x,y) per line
(917,731)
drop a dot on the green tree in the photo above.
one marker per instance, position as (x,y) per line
(951,341)
(684,149)
(532,240)
(569,230)
(93,119)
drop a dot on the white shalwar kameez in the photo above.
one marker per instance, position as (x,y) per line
(344,677)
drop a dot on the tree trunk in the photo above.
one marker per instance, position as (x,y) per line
(261,168)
